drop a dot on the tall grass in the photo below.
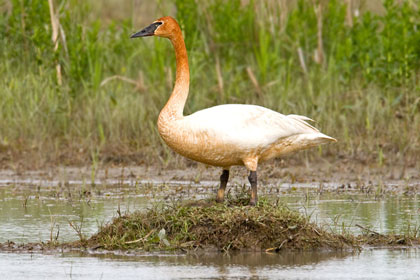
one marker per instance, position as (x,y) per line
(364,90)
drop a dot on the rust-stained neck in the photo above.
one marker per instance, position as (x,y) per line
(175,106)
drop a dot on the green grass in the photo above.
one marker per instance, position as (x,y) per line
(365,92)
(232,226)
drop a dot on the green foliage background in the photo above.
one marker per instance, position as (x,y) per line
(365,93)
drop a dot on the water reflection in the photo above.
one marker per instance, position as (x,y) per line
(248,264)
(386,215)
(32,216)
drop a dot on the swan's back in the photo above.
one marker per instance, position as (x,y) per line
(250,126)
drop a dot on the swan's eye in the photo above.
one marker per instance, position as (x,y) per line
(157,24)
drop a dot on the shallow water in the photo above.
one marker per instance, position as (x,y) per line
(33,213)
(369,264)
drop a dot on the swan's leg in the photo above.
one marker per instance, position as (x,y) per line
(252,163)
(254,195)
(223,182)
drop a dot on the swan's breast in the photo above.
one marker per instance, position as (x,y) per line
(198,143)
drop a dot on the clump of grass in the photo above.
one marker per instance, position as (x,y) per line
(232,226)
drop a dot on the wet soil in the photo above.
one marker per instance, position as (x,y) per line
(339,173)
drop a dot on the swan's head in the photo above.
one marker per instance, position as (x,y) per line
(163,27)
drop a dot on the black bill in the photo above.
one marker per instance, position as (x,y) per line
(148,31)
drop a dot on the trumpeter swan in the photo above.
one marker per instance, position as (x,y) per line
(230,134)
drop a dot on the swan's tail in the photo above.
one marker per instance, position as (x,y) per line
(315,138)
(324,138)
(309,140)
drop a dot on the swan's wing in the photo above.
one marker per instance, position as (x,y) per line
(248,126)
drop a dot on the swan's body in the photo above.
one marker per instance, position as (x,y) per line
(226,135)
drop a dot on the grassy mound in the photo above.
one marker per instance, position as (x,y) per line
(232,226)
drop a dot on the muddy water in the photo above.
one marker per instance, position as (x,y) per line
(39,212)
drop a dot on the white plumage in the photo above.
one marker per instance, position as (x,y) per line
(250,126)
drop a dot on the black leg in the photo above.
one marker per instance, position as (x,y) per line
(253,180)
(223,182)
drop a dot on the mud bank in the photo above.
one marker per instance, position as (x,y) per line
(326,174)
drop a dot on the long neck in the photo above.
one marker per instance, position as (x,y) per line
(174,108)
